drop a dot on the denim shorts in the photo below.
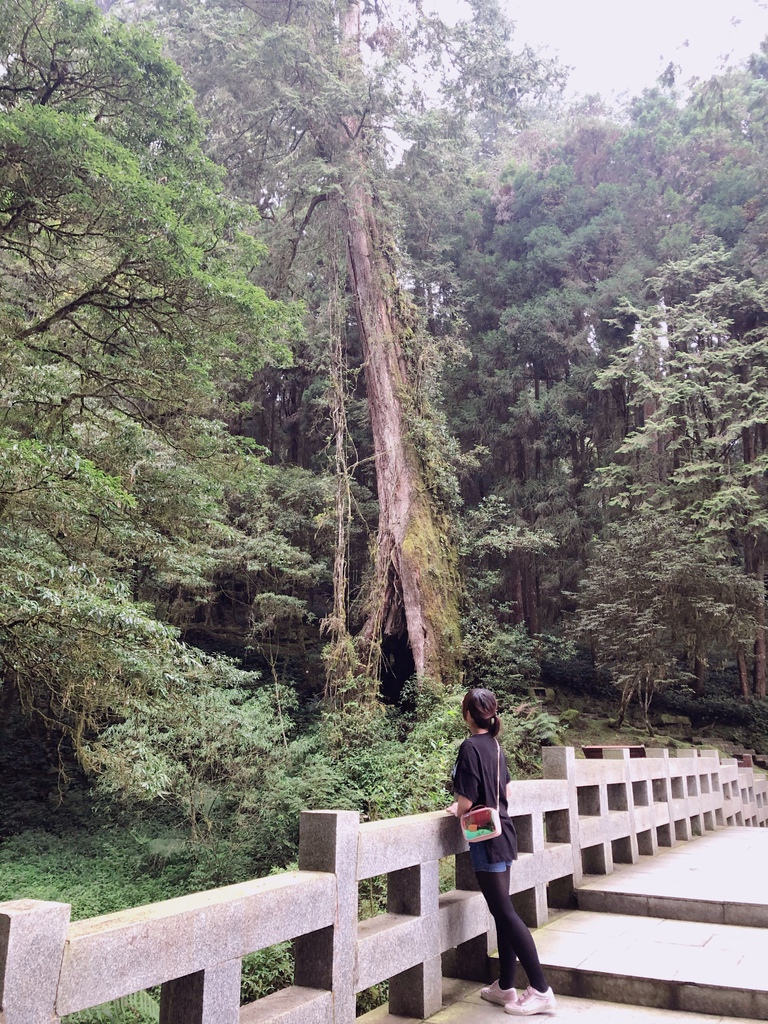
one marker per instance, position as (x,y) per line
(479,855)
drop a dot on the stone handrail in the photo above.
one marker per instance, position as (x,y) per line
(581,818)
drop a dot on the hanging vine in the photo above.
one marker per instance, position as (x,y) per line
(340,654)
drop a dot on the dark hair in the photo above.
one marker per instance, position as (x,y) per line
(483,709)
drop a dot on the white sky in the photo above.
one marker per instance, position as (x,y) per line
(619,47)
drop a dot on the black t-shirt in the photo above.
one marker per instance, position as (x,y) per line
(481,775)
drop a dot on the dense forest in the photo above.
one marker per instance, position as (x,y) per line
(345,365)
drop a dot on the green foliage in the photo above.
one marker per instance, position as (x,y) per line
(125,310)
(504,658)
(528,726)
(498,650)
(576,671)
(717,707)
(402,762)
(693,377)
(290,101)
(399,762)
(267,971)
(698,364)
(655,595)
(590,259)
(232,770)
(97,871)
(139,1008)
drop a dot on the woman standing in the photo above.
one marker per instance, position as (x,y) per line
(481,777)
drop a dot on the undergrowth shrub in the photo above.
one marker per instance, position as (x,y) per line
(577,672)
(139,1008)
(96,873)
(266,971)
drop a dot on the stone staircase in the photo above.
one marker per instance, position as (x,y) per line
(686,931)
(680,938)
(649,961)
(463,1005)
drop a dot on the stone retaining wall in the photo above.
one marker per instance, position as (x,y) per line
(581,818)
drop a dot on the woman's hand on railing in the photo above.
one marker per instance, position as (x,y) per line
(459,806)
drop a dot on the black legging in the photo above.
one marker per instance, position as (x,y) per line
(513,935)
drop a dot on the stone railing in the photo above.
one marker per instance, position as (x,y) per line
(581,818)
(623,807)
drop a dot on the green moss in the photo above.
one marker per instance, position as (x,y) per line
(427,547)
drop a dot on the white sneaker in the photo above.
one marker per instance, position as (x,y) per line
(502,996)
(531,1002)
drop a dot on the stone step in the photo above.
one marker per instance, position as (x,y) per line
(720,879)
(711,911)
(696,967)
(465,1006)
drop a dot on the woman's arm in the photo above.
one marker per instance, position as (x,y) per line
(459,806)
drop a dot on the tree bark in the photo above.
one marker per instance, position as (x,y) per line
(9,701)
(699,671)
(760,647)
(519,595)
(754,565)
(741,661)
(415,586)
(531,595)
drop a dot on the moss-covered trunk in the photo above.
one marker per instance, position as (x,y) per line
(416,582)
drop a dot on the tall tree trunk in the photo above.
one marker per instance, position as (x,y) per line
(9,701)
(754,563)
(699,671)
(760,651)
(519,594)
(416,581)
(741,661)
(531,595)
(339,655)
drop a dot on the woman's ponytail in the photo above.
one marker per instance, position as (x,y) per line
(483,709)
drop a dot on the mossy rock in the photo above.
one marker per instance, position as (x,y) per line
(682,720)
(543,693)
(636,730)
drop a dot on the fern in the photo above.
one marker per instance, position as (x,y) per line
(139,1008)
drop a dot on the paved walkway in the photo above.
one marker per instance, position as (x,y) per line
(721,877)
(680,945)
(464,1006)
(674,948)
(658,962)
(470,1009)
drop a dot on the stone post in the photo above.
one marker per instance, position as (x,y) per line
(211,996)
(326,958)
(32,938)
(417,992)
(661,795)
(626,851)
(531,904)
(694,823)
(710,763)
(598,860)
(559,763)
